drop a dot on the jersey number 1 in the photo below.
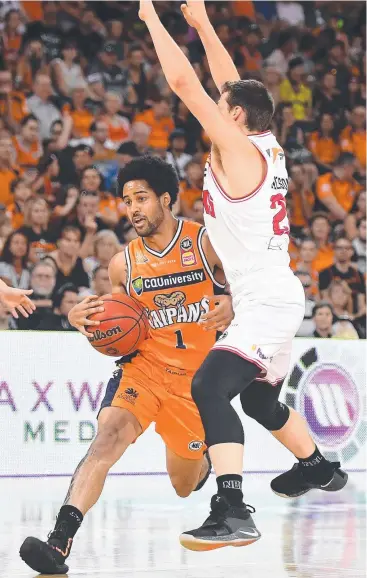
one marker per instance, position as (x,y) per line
(180,343)
(279,201)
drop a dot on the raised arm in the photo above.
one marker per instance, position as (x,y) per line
(182,79)
(221,65)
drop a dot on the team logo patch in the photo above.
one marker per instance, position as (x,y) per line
(327,395)
(140,258)
(195,445)
(130,395)
(188,258)
(175,299)
(137,285)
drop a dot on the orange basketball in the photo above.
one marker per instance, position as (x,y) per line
(123,326)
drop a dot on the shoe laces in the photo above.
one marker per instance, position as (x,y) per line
(219,508)
(60,534)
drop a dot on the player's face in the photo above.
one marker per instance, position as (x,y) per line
(144,208)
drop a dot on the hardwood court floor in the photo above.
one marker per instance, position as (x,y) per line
(133,531)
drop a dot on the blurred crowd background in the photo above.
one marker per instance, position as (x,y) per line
(82,94)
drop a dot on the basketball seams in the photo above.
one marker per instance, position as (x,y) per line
(120,336)
(140,321)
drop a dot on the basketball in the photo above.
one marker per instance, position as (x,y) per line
(123,326)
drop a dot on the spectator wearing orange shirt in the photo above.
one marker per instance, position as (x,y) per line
(13,105)
(27,145)
(303,198)
(307,256)
(353,137)
(338,190)
(359,212)
(103,147)
(160,121)
(320,233)
(191,189)
(252,37)
(92,184)
(118,125)
(323,142)
(81,116)
(7,170)
(11,37)
(15,211)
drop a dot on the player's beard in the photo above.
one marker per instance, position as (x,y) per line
(149,227)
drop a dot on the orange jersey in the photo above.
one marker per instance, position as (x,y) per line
(344,192)
(119,129)
(354,142)
(171,285)
(15,215)
(27,158)
(298,219)
(18,106)
(82,120)
(325,149)
(161,128)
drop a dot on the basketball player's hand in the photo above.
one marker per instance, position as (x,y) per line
(16,300)
(194,12)
(221,316)
(78,315)
(146,8)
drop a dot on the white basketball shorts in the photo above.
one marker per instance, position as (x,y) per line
(266,320)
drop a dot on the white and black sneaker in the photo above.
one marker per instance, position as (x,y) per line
(226,526)
(293,483)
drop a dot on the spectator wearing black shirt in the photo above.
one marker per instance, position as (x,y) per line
(325,96)
(343,270)
(105,75)
(47,31)
(41,236)
(65,298)
(336,61)
(74,161)
(68,265)
(137,74)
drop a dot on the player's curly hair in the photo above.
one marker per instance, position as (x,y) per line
(160,176)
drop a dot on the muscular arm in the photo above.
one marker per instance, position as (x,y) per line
(221,65)
(182,79)
(117,271)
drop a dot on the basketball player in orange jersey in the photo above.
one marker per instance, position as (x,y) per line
(16,300)
(245,184)
(172,270)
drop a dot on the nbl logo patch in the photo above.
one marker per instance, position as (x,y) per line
(195,445)
(137,285)
(188,258)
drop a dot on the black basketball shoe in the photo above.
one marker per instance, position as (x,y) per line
(48,557)
(205,478)
(293,483)
(226,526)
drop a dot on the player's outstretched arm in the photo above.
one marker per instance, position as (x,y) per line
(182,79)
(221,64)
(16,300)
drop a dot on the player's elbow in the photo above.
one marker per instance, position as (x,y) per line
(179,84)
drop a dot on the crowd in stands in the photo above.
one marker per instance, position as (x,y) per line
(82,94)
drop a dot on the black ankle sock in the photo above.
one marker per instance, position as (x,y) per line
(73,518)
(316,468)
(230,486)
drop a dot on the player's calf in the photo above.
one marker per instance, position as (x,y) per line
(187,475)
(117,429)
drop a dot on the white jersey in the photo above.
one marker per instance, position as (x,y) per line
(250,234)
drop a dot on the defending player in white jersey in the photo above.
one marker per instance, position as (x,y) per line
(245,214)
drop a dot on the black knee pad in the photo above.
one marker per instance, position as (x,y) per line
(260,401)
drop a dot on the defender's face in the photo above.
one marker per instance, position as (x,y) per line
(144,208)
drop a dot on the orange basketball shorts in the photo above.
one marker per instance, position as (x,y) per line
(160,394)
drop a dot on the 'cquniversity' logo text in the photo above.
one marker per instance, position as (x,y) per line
(328,397)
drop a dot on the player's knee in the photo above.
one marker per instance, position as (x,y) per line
(182,487)
(272,417)
(105,443)
(203,389)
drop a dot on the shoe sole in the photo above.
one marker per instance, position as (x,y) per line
(327,488)
(30,552)
(198,545)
